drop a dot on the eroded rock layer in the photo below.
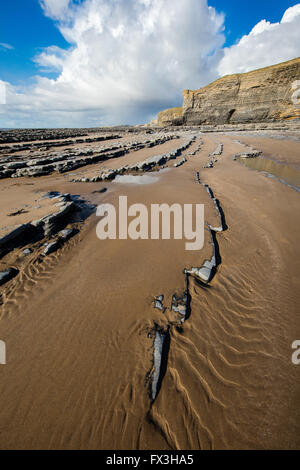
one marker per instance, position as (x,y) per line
(265,95)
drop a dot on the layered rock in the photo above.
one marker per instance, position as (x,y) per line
(262,95)
(270,94)
(144,165)
(41,164)
(48,226)
(172,116)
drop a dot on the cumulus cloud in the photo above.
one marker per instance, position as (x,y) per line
(52,58)
(127,59)
(56,9)
(267,44)
(2,93)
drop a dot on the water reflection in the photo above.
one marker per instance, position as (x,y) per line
(132,179)
(286,174)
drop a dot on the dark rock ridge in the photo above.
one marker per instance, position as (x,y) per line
(160,359)
(63,237)
(51,228)
(213,156)
(209,268)
(49,144)
(181,305)
(69,160)
(143,166)
(29,135)
(264,95)
(18,237)
(7,275)
(72,210)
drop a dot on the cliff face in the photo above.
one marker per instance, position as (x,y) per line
(170,117)
(267,94)
(264,95)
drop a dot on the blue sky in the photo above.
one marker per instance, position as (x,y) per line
(242,15)
(24,26)
(104,47)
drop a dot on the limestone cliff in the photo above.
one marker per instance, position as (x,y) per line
(264,95)
(172,116)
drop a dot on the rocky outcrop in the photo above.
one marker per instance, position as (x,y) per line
(262,95)
(143,166)
(71,210)
(30,135)
(18,237)
(44,164)
(270,94)
(208,269)
(181,305)
(39,146)
(213,156)
(170,117)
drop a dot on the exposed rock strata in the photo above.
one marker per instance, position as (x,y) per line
(47,226)
(40,146)
(31,135)
(145,165)
(259,96)
(181,306)
(213,156)
(170,117)
(44,164)
(208,269)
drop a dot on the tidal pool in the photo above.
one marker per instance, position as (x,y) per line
(286,174)
(149,178)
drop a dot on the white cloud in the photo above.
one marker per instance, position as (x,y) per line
(4,45)
(56,9)
(267,44)
(52,58)
(127,59)
(291,13)
(2,93)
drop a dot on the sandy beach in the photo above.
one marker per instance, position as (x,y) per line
(79,324)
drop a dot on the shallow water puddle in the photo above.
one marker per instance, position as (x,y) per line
(286,174)
(132,179)
(140,179)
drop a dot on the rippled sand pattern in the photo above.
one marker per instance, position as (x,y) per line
(79,325)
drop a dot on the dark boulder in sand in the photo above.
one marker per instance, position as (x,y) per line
(7,275)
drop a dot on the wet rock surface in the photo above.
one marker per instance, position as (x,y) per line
(72,210)
(181,304)
(213,156)
(160,358)
(43,162)
(7,275)
(157,161)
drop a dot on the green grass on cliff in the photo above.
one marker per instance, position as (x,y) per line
(170,113)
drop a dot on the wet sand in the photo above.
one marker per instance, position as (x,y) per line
(276,149)
(78,326)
